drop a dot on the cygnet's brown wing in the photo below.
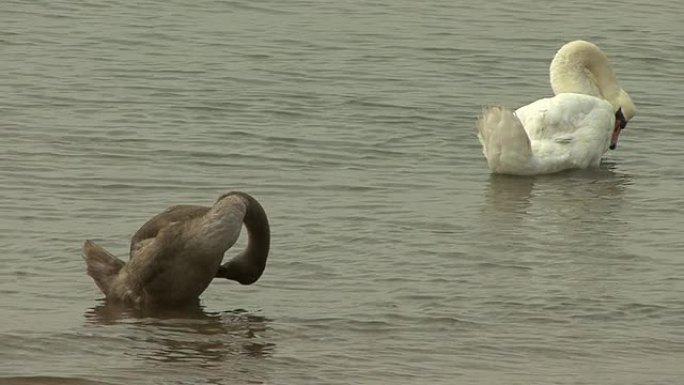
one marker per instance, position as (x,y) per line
(175,255)
(151,228)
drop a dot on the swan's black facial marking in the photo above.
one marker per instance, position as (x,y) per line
(619,117)
(620,124)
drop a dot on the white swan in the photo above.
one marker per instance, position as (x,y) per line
(570,130)
(177,253)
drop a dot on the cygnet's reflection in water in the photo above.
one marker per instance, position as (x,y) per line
(187,333)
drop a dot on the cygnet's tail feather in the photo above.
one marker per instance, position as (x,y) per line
(505,143)
(103,267)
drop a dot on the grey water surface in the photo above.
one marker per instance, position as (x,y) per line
(396,257)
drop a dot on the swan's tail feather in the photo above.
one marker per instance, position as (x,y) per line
(102,266)
(505,143)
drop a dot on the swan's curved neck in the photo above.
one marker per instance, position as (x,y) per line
(248,266)
(581,67)
(259,231)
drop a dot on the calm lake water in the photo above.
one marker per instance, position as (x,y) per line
(396,257)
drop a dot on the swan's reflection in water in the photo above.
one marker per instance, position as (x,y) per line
(508,194)
(577,209)
(188,334)
(592,191)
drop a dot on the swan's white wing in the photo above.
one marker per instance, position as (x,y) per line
(566,114)
(567,131)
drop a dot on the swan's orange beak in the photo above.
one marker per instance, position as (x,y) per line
(615,136)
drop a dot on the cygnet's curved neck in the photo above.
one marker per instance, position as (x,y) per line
(581,67)
(248,266)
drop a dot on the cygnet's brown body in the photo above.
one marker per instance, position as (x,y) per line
(176,254)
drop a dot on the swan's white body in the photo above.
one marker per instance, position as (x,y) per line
(570,130)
